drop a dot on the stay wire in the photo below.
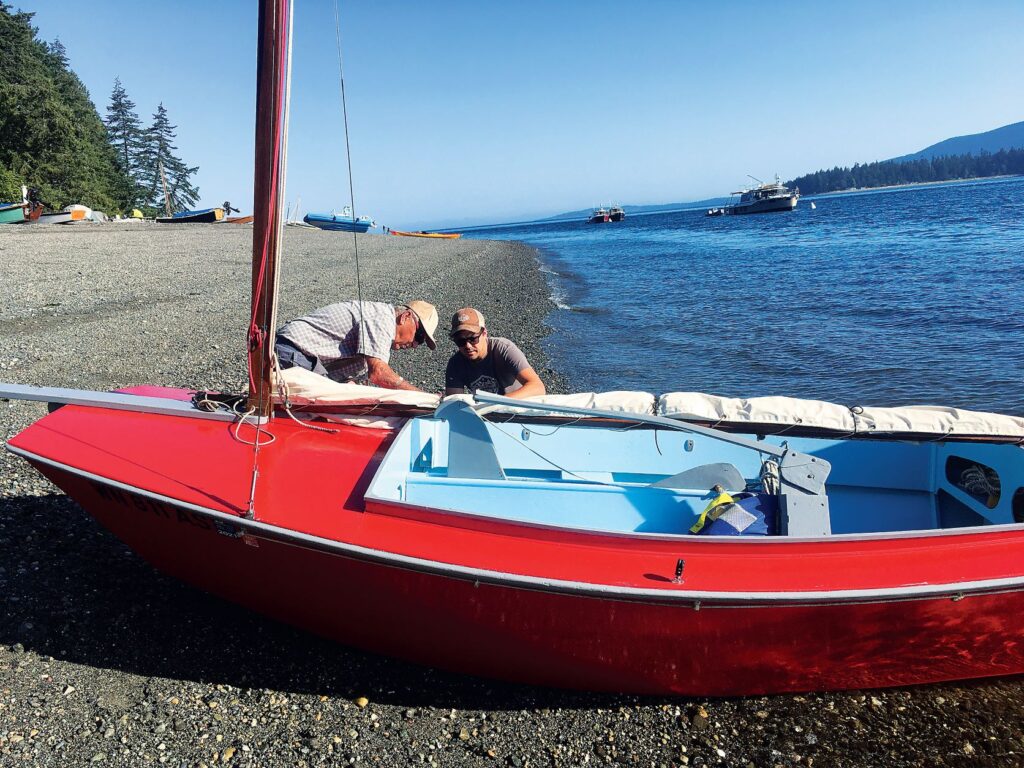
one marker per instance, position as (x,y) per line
(351,186)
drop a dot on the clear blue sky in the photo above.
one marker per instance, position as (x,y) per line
(485,112)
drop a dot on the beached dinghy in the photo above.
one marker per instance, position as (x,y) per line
(435,235)
(339,222)
(586,542)
(204,216)
(13,213)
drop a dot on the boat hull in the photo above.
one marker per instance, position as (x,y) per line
(336,223)
(765,206)
(432,235)
(208,216)
(12,214)
(553,608)
(546,638)
(60,217)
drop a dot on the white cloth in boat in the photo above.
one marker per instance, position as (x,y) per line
(618,401)
(305,388)
(787,411)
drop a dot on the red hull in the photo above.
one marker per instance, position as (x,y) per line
(537,606)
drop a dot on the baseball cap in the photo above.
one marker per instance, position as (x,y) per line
(427,315)
(467,319)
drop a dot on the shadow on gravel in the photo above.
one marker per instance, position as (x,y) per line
(71,590)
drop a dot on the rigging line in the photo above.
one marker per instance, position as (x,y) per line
(351,187)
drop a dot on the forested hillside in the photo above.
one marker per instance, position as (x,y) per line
(1006,162)
(51,136)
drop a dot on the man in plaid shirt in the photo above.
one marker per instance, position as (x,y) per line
(352,340)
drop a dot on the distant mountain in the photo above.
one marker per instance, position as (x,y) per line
(998,152)
(1008,137)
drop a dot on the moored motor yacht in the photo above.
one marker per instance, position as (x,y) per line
(765,198)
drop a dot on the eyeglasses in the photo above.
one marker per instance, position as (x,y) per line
(461,341)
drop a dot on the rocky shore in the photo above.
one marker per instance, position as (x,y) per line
(105,662)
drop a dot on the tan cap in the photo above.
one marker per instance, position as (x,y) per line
(467,319)
(427,315)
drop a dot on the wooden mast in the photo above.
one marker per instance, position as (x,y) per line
(273,60)
(167,198)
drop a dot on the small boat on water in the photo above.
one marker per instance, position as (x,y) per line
(438,235)
(715,212)
(599,216)
(765,198)
(204,216)
(616,214)
(339,222)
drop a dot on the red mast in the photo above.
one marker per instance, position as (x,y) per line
(272,75)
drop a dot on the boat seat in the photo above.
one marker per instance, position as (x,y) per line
(706,476)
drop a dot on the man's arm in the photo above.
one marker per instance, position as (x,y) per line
(381,374)
(531,384)
(453,383)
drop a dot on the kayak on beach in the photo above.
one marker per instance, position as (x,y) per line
(439,235)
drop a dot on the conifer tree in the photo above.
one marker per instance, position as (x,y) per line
(51,137)
(124,130)
(159,154)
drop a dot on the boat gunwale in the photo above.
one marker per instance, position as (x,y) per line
(701,598)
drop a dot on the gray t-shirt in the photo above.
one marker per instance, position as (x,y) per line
(495,373)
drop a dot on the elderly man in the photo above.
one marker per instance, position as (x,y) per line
(353,340)
(487,363)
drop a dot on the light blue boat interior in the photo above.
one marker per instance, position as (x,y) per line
(599,478)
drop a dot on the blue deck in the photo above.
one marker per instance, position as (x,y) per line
(599,478)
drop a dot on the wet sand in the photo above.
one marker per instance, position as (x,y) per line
(103,661)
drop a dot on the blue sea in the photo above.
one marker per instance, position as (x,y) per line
(888,297)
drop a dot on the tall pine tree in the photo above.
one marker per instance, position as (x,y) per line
(51,137)
(124,130)
(159,154)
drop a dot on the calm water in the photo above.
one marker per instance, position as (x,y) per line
(895,297)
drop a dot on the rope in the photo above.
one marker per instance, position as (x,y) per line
(348,160)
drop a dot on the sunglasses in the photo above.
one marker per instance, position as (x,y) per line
(461,341)
(421,335)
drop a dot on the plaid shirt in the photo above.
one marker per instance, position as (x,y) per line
(332,334)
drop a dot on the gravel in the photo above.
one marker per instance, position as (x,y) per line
(105,662)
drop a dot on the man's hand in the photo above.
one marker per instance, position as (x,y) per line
(381,374)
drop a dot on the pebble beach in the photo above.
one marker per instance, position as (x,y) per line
(105,662)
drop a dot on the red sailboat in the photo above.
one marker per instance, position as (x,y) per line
(554,545)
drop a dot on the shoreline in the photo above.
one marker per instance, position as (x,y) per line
(911,185)
(142,295)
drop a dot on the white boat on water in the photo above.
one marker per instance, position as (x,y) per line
(764,198)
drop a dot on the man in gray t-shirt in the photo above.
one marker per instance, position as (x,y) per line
(353,340)
(486,363)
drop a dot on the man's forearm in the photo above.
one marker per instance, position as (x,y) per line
(382,375)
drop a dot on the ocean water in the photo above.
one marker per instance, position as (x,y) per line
(890,297)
